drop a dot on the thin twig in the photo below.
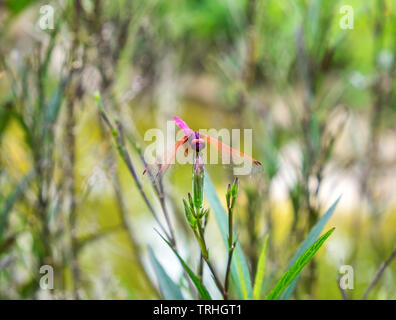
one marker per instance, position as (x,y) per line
(73,95)
(205,255)
(161,197)
(130,232)
(379,274)
(227,276)
(342,291)
(231,198)
(200,267)
(215,277)
(231,247)
(159,190)
(97,236)
(119,138)
(125,223)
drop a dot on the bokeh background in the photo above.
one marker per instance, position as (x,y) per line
(321,101)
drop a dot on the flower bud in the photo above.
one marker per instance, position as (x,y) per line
(189,215)
(228,195)
(235,186)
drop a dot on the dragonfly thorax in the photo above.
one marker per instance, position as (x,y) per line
(196,142)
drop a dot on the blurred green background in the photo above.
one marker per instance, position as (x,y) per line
(321,101)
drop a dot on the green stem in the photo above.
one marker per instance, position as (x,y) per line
(231,199)
(231,247)
(227,276)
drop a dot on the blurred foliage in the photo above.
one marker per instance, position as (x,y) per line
(320,99)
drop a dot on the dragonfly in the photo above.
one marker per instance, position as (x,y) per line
(195,141)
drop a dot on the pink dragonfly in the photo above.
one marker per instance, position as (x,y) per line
(195,141)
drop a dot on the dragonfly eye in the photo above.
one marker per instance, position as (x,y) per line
(198,144)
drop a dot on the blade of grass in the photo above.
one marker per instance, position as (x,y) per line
(239,268)
(54,106)
(198,284)
(310,239)
(260,271)
(169,289)
(16,7)
(9,202)
(297,267)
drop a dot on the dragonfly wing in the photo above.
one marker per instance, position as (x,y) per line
(182,125)
(221,147)
(158,168)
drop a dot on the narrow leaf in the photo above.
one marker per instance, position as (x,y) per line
(16,7)
(9,202)
(198,283)
(260,271)
(169,289)
(310,239)
(297,267)
(53,107)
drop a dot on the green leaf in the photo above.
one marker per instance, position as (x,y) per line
(5,117)
(260,271)
(9,202)
(310,239)
(55,103)
(297,267)
(198,283)
(169,289)
(16,7)
(239,268)
(189,215)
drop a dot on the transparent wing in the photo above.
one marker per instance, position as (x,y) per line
(157,169)
(235,156)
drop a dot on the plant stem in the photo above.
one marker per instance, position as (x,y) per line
(216,278)
(342,291)
(200,267)
(379,274)
(71,149)
(230,228)
(131,234)
(231,199)
(205,255)
(161,197)
(131,168)
(159,191)
(231,247)
(120,142)
(227,276)
(201,239)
